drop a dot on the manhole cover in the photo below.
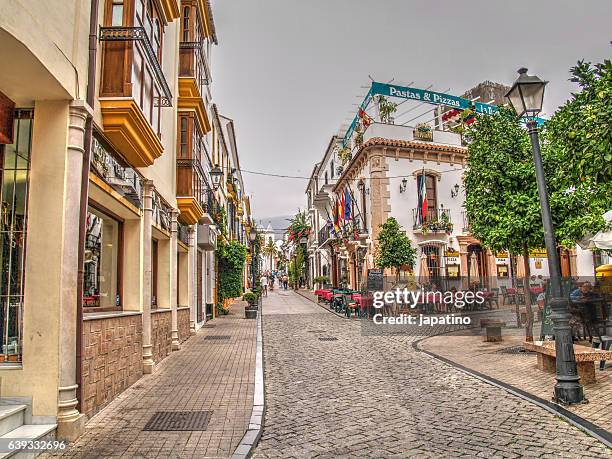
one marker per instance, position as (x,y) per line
(179,420)
(514,350)
(217,337)
(327,338)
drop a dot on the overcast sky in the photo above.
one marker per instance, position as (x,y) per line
(289,71)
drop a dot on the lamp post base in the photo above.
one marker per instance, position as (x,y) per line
(568,390)
(569,393)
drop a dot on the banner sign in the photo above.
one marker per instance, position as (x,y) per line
(431,97)
(420,95)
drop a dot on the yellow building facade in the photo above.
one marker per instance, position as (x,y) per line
(110,216)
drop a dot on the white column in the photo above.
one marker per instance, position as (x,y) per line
(176,343)
(70,421)
(147,344)
(192,276)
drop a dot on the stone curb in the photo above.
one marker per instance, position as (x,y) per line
(586,426)
(251,437)
(320,305)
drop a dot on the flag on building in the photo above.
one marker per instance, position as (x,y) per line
(335,216)
(348,208)
(422,196)
(341,209)
(365,118)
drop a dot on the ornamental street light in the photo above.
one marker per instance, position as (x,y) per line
(527,96)
(252,238)
(215,174)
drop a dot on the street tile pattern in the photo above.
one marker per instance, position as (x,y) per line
(215,376)
(520,370)
(375,396)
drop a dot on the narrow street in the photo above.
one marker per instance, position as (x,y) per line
(375,396)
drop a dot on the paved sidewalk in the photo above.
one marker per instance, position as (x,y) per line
(520,370)
(214,375)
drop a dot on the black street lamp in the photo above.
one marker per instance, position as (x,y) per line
(252,238)
(215,174)
(526,96)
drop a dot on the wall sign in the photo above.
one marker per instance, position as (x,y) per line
(537,253)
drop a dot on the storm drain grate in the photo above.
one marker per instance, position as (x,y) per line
(179,420)
(327,338)
(217,337)
(316,331)
(515,350)
(208,326)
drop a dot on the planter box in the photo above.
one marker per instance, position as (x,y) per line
(250,313)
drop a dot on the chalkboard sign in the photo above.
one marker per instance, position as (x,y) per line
(375,280)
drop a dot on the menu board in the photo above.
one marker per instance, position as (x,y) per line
(375,280)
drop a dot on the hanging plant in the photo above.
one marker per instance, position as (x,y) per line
(386,108)
(359,136)
(345,155)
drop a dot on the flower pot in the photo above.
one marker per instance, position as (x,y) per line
(250,313)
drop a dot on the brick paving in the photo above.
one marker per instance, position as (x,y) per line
(215,375)
(366,395)
(520,370)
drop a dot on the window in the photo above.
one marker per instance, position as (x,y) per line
(154,266)
(186,12)
(331,168)
(432,198)
(117,13)
(183,152)
(102,282)
(14,181)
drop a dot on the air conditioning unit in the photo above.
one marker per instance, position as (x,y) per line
(207,237)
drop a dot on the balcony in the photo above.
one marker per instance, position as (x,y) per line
(123,179)
(207,237)
(133,90)
(191,190)
(194,75)
(435,221)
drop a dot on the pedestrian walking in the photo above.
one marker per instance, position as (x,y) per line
(285,281)
(263,282)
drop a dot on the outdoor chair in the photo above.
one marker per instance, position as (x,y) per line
(494,298)
(508,297)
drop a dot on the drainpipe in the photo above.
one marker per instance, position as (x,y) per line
(91,87)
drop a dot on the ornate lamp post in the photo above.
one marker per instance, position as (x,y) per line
(215,174)
(252,238)
(526,96)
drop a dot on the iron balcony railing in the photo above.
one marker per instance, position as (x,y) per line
(434,220)
(139,35)
(192,52)
(325,234)
(183,233)
(122,178)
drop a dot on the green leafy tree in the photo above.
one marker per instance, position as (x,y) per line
(501,192)
(578,154)
(231,258)
(394,247)
(269,250)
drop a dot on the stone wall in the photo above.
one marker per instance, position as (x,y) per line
(161,333)
(112,358)
(183,324)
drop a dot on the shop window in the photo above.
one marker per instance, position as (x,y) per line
(432,253)
(154,268)
(102,281)
(14,178)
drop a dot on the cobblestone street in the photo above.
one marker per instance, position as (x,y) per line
(330,392)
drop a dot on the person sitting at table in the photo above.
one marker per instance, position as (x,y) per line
(582,292)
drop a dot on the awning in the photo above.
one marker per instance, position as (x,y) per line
(602,240)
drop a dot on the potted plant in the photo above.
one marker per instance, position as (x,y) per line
(250,312)
(321,280)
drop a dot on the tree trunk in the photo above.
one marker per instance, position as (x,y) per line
(528,310)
